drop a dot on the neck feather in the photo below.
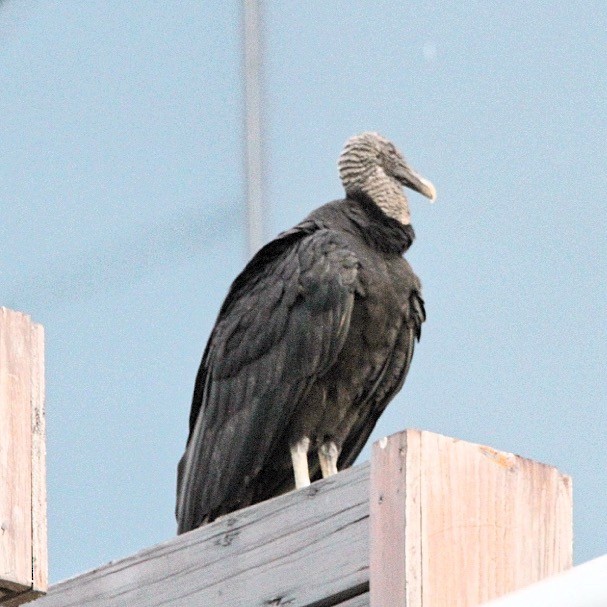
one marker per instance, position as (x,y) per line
(384,191)
(388,195)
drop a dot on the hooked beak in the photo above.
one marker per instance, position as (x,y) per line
(409,178)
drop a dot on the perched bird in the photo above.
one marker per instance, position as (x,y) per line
(314,339)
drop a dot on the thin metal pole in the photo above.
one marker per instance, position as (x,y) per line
(253,124)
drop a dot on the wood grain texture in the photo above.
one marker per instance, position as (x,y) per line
(39,520)
(23,543)
(15,452)
(308,547)
(20,598)
(477,523)
(387,495)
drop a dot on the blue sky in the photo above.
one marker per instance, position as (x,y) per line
(122,199)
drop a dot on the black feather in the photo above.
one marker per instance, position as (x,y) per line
(314,339)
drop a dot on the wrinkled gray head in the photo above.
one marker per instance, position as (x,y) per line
(372,165)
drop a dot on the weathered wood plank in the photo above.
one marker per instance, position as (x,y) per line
(39,519)
(309,547)
(451,522)
(23,543)
(469,523)
(15,453)
(395,528)
(362,600)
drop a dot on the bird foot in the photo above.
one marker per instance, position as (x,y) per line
(327,456)
(299,459)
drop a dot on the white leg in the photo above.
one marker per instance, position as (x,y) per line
(299,458)
(327,455)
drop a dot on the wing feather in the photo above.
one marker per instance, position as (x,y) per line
(282,325)
(390,382)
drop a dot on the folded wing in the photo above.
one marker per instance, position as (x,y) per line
(282,326)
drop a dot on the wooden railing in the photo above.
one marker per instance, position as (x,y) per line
(432,521)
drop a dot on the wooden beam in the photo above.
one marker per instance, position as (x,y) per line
(23,559)
(452,524)
(362,600)
(305,548)
(457,524)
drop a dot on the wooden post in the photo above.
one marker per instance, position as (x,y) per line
(23,550)
(454,524)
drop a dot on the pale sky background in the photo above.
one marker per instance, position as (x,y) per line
(122,223)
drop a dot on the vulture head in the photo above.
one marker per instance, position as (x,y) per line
(371,164)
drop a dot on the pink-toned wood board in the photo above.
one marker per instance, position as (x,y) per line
(23,557)
(456,524)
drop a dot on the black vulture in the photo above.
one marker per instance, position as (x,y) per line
(314,339)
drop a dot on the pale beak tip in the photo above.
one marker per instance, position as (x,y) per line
(429,190)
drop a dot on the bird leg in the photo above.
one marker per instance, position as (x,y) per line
(299,458)
(327,455)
